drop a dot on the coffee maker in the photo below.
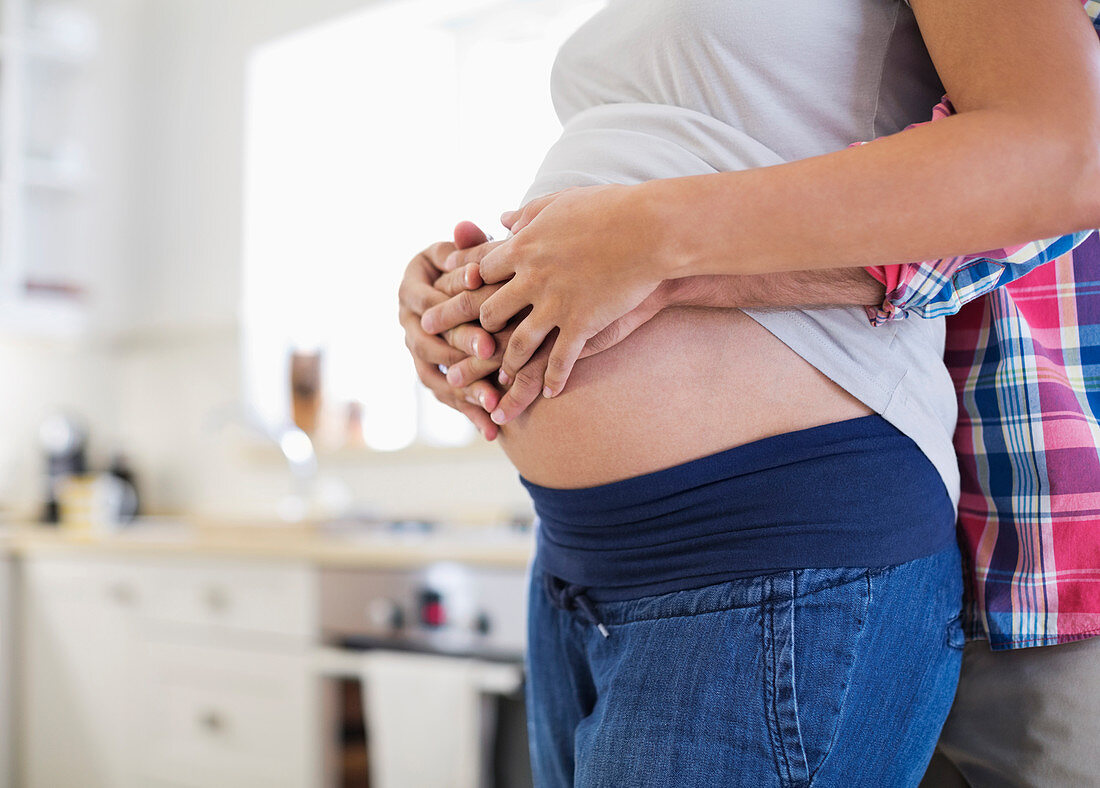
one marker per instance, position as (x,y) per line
(65,443)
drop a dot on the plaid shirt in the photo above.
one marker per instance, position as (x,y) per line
(1023,348)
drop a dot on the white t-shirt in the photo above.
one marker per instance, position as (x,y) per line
(651,89)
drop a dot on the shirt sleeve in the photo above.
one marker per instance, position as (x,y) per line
(935,288)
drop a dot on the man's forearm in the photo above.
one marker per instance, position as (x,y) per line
(797,289)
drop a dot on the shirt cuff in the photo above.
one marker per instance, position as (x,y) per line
(891,277)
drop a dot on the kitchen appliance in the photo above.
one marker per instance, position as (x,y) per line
(437,654)
(64,441)
(98,502)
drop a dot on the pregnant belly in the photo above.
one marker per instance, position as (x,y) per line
(689,383)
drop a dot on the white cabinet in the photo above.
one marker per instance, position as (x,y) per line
(7,635)
(50,115)
(189,672)
(76,648)
(221,717)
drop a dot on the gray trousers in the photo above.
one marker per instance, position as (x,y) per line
(1026,717)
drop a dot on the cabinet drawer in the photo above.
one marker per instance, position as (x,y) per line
(257,597)
(221,717)
(113,584)
(276,599)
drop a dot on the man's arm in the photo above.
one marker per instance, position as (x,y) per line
(798,289)
(935,288)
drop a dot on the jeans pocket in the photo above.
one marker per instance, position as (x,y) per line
(811,645)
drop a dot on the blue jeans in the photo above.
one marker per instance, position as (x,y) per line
(823,677)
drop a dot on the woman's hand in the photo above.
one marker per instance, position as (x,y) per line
(582,259)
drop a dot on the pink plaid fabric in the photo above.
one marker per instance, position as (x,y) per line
(1025,360)
(1023,348)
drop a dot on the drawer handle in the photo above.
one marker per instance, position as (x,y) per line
(217,599)
(212,722)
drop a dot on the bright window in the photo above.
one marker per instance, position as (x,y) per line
(367,139)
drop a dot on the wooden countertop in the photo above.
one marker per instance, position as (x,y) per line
(373,546)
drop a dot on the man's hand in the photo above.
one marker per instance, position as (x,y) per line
(465,293)
(416,295)
(799,289)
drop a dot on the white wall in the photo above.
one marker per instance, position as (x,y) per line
(190,111)
(161,367)
(178,364)
(175,392)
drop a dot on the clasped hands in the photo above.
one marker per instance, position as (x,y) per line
(579,274)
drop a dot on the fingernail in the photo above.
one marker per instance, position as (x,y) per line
(481,400)
(454,376)
(471,400)
(450,261)
(503,378)
(507,217)
(546,392)
(497,416)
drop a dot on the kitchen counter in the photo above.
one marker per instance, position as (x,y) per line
(207,654)
(348,546)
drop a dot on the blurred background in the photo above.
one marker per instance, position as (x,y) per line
(240,544)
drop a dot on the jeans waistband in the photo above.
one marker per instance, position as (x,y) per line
(853,493)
